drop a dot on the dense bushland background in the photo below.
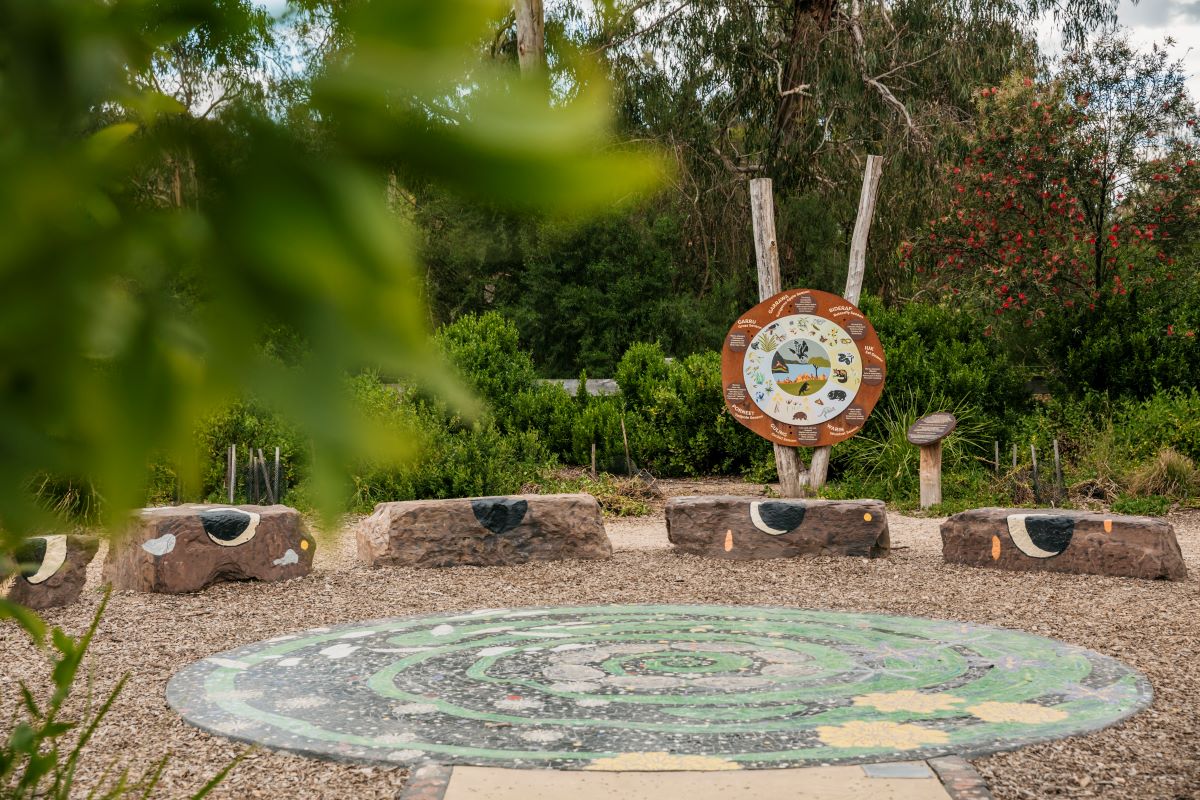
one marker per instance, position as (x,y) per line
(1033,264)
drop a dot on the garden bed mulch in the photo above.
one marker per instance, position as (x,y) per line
(1152,626)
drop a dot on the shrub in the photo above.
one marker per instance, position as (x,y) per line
(1169,474)
(1151,506)
(451,457)
(935,353)
(675,415)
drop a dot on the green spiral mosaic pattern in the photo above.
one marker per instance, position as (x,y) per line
(654,687)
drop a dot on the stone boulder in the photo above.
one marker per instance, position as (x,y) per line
(1057,540)
(185,548)
(748,528)
(483,531)
(54,569)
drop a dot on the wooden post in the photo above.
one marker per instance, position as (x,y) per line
(931,474)
(788,464)
(1037,490)
(277,495)
(594,460)
(1014,455)
(1058,479)
(996,470)
(531,35)
(819,470)
(628,459)
(262,465)
(232,471)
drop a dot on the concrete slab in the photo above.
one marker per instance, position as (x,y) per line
(811,783)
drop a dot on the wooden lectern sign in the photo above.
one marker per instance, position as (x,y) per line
(927,433)
(803,368)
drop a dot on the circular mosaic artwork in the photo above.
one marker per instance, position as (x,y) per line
(802,368)
(654,687)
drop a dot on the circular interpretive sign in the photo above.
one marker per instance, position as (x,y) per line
(803,368)
(932,428)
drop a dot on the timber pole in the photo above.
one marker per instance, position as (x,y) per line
(854,281)
(788,463)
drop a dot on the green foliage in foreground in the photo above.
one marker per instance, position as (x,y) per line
(41,754)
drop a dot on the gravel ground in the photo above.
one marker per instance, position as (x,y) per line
(1150,625)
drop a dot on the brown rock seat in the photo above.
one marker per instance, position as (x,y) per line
(185,548)
(483,531)
(1059,540)
(55,570)
(748,528)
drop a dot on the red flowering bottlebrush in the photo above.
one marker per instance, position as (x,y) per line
(1071,189)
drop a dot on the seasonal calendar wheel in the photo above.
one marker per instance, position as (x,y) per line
(803,368)
(654,687)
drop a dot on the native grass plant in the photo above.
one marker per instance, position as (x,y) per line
(40,757)
(882,458)
(618,496)
(1169,474)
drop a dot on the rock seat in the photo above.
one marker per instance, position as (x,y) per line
(483,531)
(1060,540)
(186,548)
(750,528)
(55,570)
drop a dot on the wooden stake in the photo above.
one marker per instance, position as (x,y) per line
(594,460)
(931,474)
(625,439)
(997,462)
(262,465)
(1014,455)
(788,464)
(232,471)
(277,495)
(1037,490)
(1058,479)
(854,280)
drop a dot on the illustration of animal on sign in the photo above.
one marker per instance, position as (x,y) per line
(836,394)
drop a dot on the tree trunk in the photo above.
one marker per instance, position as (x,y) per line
(810,23)
(788,464)
(531,36)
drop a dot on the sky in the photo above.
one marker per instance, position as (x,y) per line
(1150,22)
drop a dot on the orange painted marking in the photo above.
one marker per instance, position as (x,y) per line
(304,544)
(995,548)
(867,517)
(1108,526)
(728,540)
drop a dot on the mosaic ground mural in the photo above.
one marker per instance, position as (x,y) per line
(654,687)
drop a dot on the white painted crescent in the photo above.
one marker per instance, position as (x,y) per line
(756,518)
(242,537)
(52,561)
(1020,536)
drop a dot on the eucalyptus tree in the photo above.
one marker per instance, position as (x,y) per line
(801,91)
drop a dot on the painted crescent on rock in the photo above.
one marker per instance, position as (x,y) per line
(499,514)
(229,527)
(1040,535)
(48,553)
(777,518)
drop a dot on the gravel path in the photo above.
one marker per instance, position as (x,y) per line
(1153,626)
